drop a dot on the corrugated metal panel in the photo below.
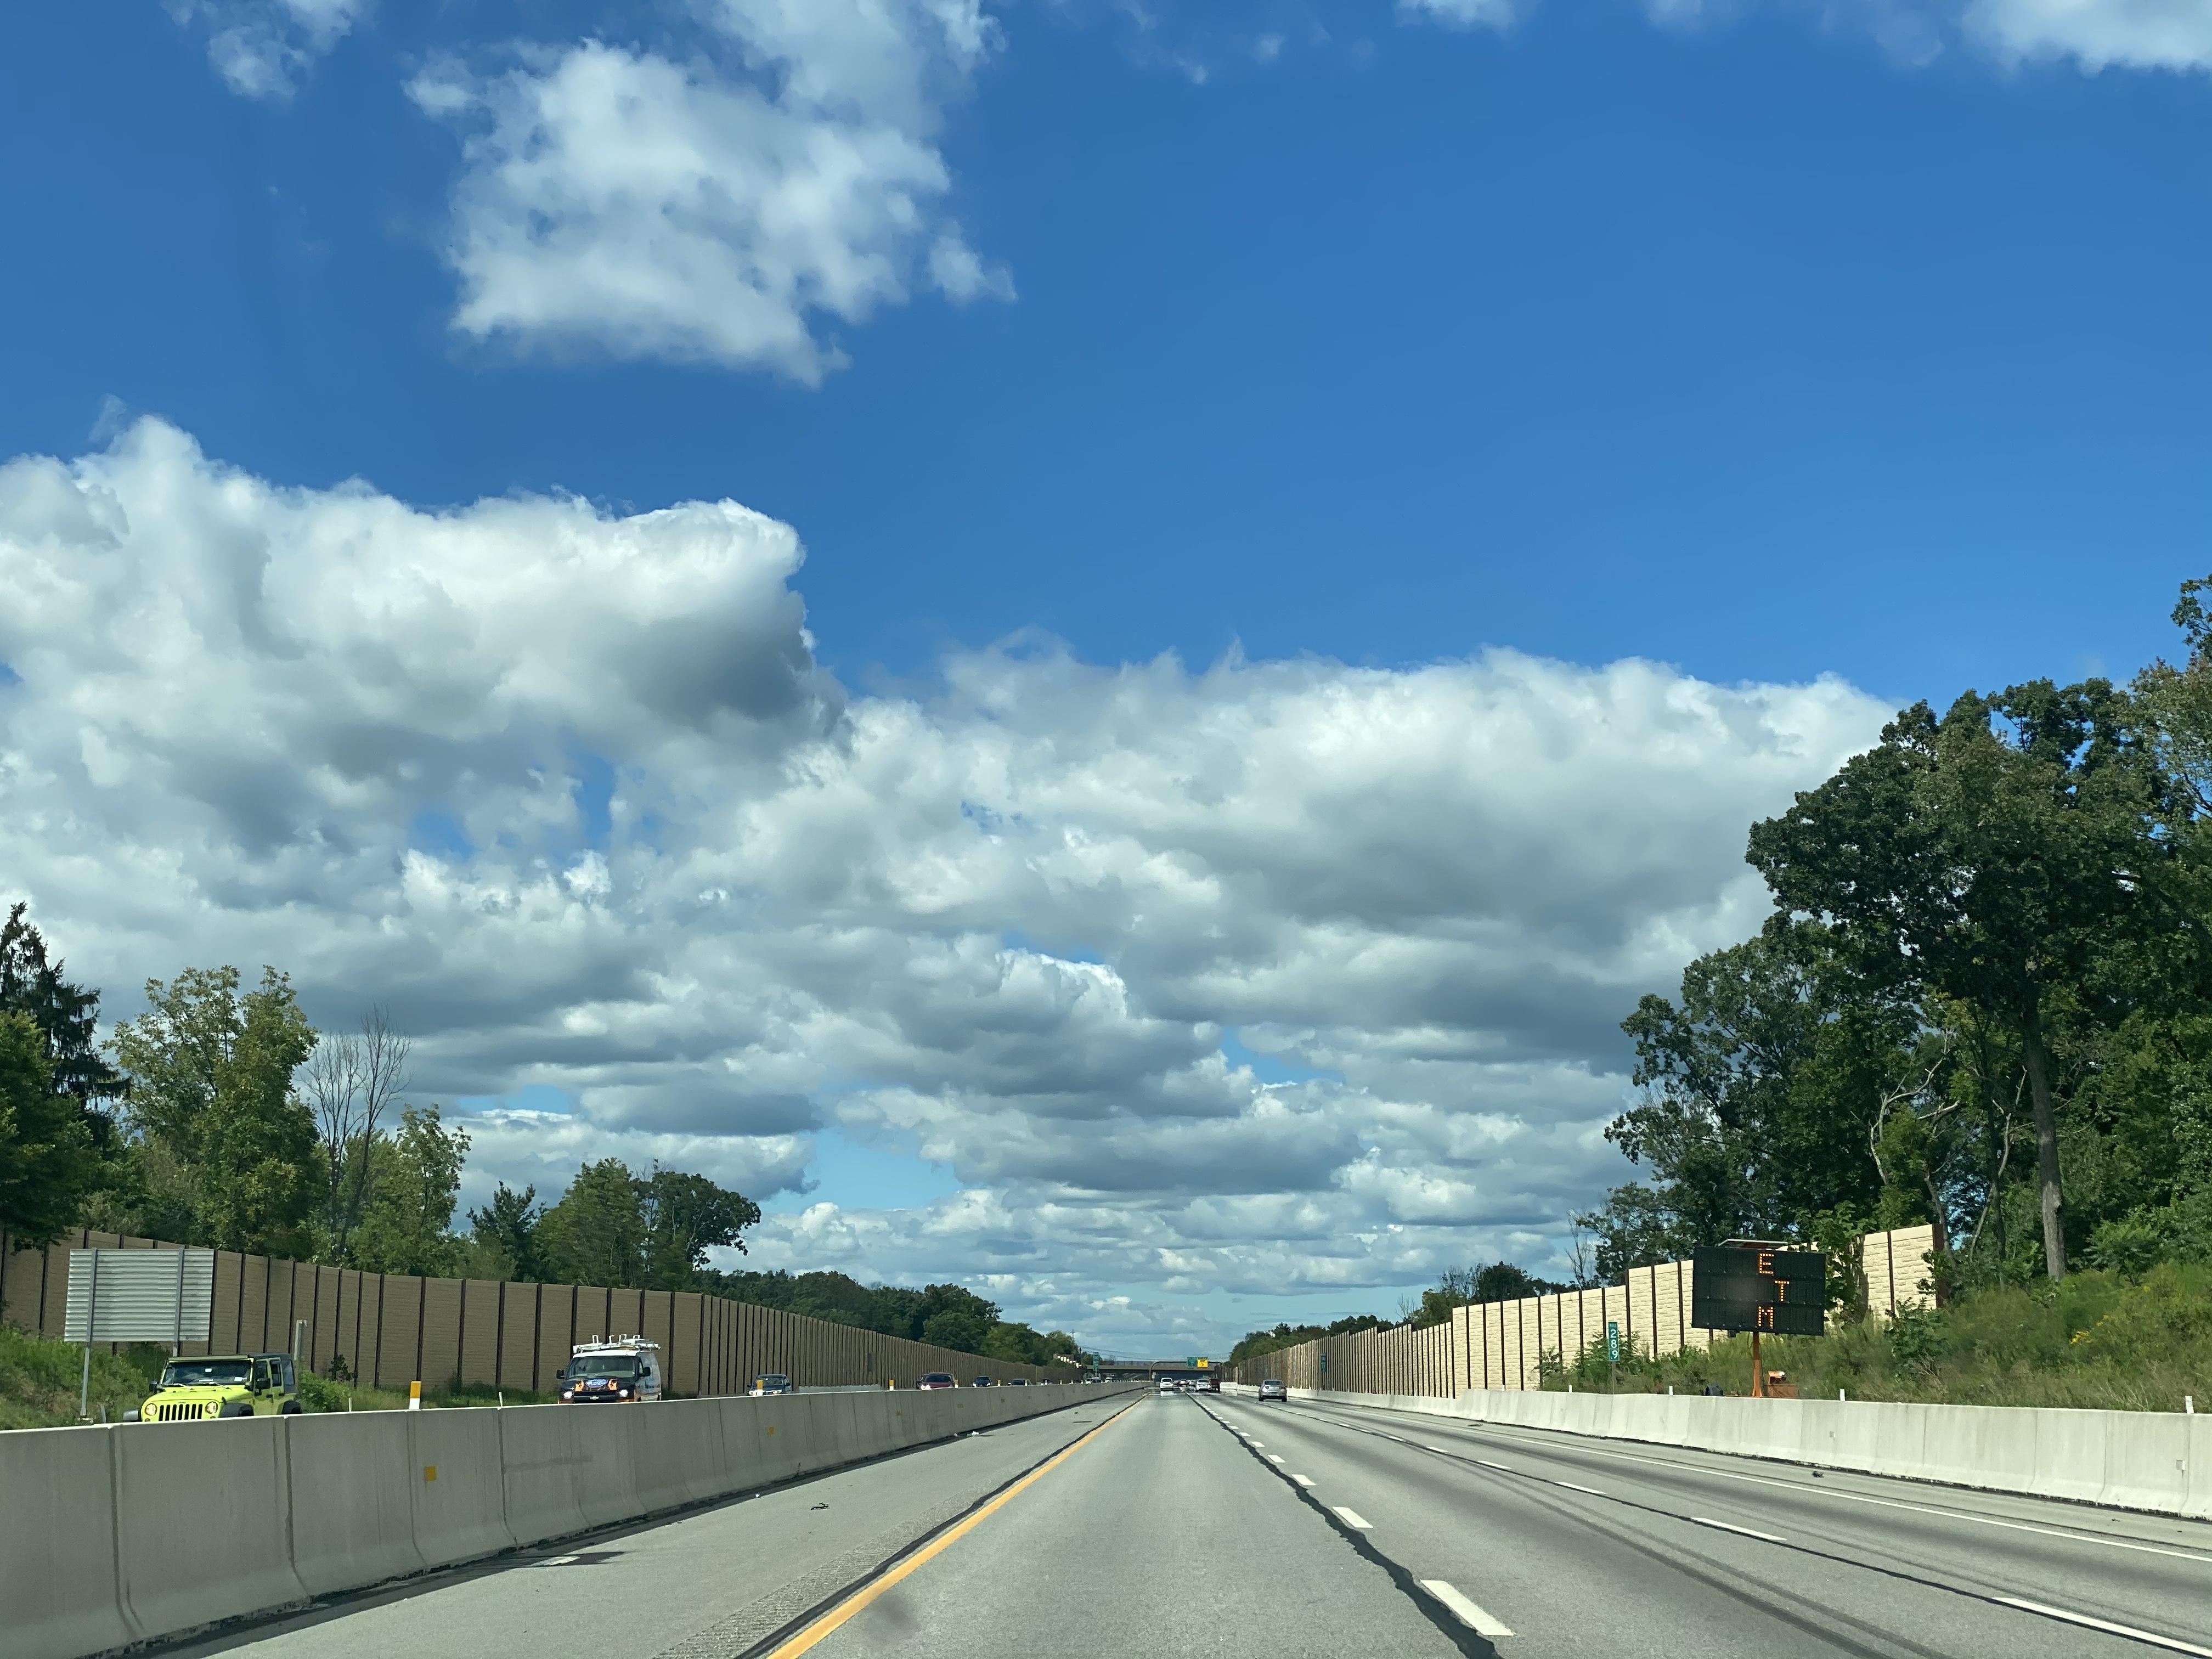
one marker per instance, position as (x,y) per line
(139,1296)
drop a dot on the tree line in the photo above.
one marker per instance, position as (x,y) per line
(1984,1000)
(946,1315)
(221,1117)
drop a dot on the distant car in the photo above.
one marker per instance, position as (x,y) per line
(1019,1383)
(1167,1385)
(982,1382)
(1273,1388)
(1208,1384)
(936,1380)
(774,1383)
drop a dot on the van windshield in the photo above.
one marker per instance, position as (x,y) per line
(603,1365)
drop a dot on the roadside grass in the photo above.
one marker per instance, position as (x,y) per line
(2103,1340)
(39,1377)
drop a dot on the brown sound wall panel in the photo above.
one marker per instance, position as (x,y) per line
(480,1331)
(400,1323)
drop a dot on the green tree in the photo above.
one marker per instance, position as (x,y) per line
(229,1150)
(68,1018)
(407,1227)
(595,1233)
(1761,1087)
(955,1328)
(507,1227)
(1998,855)
(685,1216)
(48,1163)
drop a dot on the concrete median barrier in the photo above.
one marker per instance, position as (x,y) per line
(2156,1461)
(457,1479)
(202,1520)
(58,1593)
(149,1531)
(352,1500)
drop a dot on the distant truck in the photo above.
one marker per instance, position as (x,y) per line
(221,1385)
(621,1371)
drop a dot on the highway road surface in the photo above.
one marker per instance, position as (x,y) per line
(1203,1525)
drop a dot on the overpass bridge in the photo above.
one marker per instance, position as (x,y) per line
(1180,1366)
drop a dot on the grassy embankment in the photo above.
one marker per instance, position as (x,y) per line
(2105,1340)
(39,1377)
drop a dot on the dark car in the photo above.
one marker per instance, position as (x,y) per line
(1019,1383)
(772,1382)
(982,1382)
(1273,1388)
(936,1380)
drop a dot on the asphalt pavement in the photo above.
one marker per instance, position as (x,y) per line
(1204,1525)
(1587,1547)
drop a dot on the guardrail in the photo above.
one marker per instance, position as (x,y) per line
(143,1531)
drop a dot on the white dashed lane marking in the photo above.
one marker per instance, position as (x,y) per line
(1466,1611)
(1352,1518)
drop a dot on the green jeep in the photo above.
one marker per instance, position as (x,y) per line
(221,1385)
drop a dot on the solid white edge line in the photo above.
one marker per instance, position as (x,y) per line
(1806,1487)
(1352,1518)
(1729,1526)
(2128,1630)
(1464,1610)
(1570,1487)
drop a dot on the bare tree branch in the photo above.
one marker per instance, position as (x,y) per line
(380,1066)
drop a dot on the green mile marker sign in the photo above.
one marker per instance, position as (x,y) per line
(1735,1289)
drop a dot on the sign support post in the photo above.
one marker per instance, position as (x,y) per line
(1757,1368)
(92,1318)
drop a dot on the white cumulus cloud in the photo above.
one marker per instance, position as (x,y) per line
(1274,977)
(2139,34)
(262,47)
(720,207)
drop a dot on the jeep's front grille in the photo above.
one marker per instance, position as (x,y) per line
(178,1411)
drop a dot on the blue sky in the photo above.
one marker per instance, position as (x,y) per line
(1743,346)
(1765,342)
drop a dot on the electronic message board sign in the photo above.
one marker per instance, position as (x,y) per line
(1734,1289)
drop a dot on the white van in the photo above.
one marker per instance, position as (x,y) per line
(621,1370)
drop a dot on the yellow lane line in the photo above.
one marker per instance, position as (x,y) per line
(859,1601)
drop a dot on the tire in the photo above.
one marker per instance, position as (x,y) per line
(236,1408)
(290,1408)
